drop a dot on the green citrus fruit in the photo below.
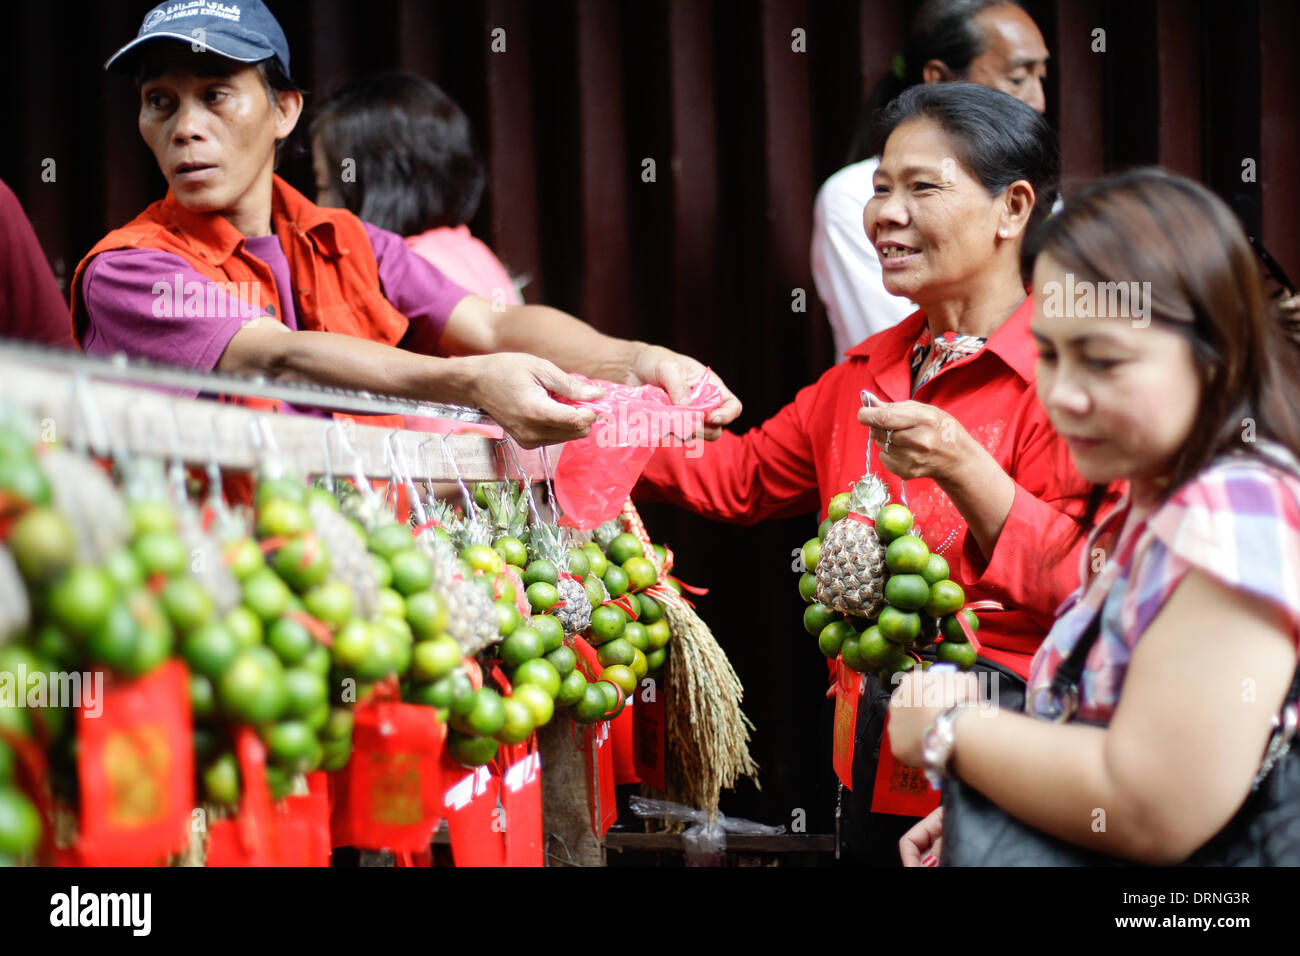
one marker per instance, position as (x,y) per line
(656,659)
(472,751)
(597,563)
(572,689)
(113,642)
(838,507)
(907,592)
(615,580)
(592,706)
(524,644)
(624,546)
(657,636)
(320,497)
(607,624)
(412,571)
(563,659)
(266,595)
(901,627)
(289,639)
(620,651)
(817,616)
(541,570)
(188,603)
(124,570)
(614,698)
(893,521)
(595,589)
(540,704)
(538,671)
(251,690)
(389,539)
(811,553)
(285,488)
(579,563)
(485,716)
(824,528)
(640,573)
(946,597)
(210,650)
(426,613)
(542,596)
(961,653)
(651,610)
(936,569)
(339,724)
(852,655)
(331,602)
(518,723)
(952,630)
(635,633)
(832,636)
(482,558)
(43,545)
(79,601)
(512,550)
(203,698)
(383,570)
(621,675)
(244,626)
(875,651)
(907,554)
(552,631)
(293,746)
(243,557)
(508,618)
(302,562)
(901,666)
(307,692)
(281,518)
(317,660)
(221,781)
(808,586)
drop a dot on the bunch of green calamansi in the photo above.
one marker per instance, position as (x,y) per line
(920,603)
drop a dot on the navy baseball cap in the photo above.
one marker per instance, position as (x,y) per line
(243,30)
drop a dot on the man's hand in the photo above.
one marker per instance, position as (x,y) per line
(677,375)
(513,388)
(917,440)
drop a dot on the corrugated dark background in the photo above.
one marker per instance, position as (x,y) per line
(706,258)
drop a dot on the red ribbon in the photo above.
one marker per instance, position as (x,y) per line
(623,603)
(861,519)
(420,529)
(966,629)
(317,628)
(271,544)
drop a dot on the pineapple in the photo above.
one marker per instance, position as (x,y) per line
(471,613)
(508,512)
(349,559)
(606,533)
(575,615)
(851,571)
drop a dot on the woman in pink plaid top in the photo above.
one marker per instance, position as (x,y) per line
(1160,367)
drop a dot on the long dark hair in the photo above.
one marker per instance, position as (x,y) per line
(1154,226)
(416,166)
(942,30)
(996,136)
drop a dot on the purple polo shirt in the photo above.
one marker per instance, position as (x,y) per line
(154,305)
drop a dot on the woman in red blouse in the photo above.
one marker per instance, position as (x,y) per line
(965,173)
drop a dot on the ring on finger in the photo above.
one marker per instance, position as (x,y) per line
(889,436)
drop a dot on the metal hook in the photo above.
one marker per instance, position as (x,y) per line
(176,468)
(509,447)
(550,487)
(471,510)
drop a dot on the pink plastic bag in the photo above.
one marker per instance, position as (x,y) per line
(596,473)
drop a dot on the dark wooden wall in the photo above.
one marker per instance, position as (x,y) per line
(707,257)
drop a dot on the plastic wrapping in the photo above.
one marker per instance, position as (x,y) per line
(596,473)
(706,840)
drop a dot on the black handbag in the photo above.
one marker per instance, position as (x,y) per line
(1265,831)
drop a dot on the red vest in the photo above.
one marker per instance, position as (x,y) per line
(335,275)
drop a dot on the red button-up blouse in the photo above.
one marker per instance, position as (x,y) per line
(814,448)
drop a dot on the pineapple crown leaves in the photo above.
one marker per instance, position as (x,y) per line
(868,496)
(507,511)
(607,532)
(548,541)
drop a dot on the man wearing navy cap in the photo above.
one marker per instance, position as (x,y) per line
(235,270)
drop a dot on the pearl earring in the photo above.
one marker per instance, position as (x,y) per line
(1002,233)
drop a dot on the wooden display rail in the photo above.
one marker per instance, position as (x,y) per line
(111,407)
